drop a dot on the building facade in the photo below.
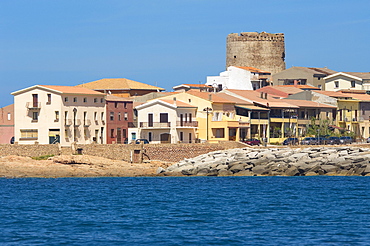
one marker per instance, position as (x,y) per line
(6,124)
(47,114)
(119,115)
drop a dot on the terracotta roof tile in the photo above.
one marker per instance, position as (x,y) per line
(118,84)
(179,104)
(72,89)
(253,69)
(209,96)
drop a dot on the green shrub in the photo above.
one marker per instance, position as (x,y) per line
(43,157)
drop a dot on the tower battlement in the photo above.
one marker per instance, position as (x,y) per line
(265,51)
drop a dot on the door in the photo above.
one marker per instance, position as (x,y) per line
(165,138)
(181,119)
(35,100)
(119,137)
(150,120)
(54,136)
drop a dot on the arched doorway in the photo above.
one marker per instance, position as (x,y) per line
(165,138)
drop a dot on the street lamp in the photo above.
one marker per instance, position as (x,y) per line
(207,110)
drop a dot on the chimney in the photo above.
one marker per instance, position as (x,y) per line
(295,83)
(261,94)
(174,101)
(266,95)
(210,97)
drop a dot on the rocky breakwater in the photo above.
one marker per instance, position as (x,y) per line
(340,161)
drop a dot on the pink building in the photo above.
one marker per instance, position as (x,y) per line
(6,124)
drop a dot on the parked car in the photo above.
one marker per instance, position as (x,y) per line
(140,140)
(333,140)
(252,141)
(368,140)
(12,140)
(346,140)
(321,140)
(309,141)
(290,141)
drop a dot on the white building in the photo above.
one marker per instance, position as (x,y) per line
(240,78)
(167,121)
(349,80)
(49,114)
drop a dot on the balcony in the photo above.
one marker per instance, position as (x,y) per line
(77,122)
(187,124)
(155,124)
(33,105)
(68,122)
(87,123)
(132,124)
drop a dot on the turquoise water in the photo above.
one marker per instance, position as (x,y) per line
(186,211)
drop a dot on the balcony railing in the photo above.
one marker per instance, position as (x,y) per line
(87,123)
(155,124)
(187,124)
(77,122)
(68,122)
(132,124)
(33,105)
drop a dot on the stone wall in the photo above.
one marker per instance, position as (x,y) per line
(33,150)
(265,51)
(162,152)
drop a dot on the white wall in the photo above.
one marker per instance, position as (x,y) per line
(233,78)
(47,117)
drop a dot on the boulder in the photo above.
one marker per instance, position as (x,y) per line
(237,168)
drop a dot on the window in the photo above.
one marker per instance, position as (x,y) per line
(95,100)
(66,99)
(35,116)
(96,116)
(190,117)
(189,137)
(85,117)
(56,116)
(126,116)
(29,133)
(125,105)
(102,116)
(124,133)
(189,100)
(119,116)
(115,104)
(85,100)
(112,133)
(102,100)
(111,116)
(336,84)
(181,136)
(75,99)
(353,84)
(163,117)
(218,132)
(186,117)
(49,99)
(150,136)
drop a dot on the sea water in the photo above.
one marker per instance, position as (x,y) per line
(186,211)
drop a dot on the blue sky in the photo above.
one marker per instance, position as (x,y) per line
(167,42)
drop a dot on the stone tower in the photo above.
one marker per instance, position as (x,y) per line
(265,51)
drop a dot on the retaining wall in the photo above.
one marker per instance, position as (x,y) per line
(162,152)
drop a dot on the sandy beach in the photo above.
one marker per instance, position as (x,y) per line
(74,166)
